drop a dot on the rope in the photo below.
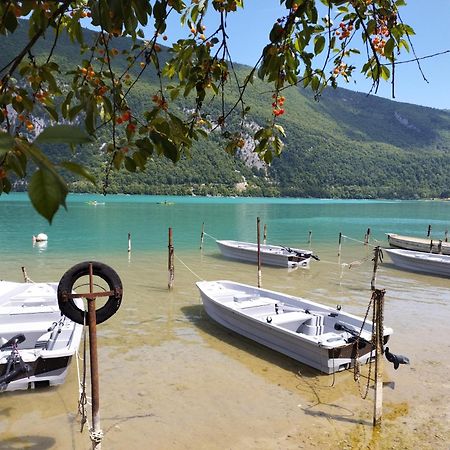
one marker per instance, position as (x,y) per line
(96,436)
(208,235)
(357,240)
(187,267)
(83,400)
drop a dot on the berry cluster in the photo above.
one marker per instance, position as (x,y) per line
(344,30)
(277,105)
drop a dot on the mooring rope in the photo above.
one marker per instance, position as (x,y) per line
(188,268)
(208,235)
(357,240)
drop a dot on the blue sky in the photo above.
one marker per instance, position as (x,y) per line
(248,31)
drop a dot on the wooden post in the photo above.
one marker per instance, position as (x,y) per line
(366,237)
(340,244)
(429,231)
(440,247)
(375,260)
(446,235)
(378,311)
(265,233)
(95,431)
(201,235)
(258,233)
(310,237)
(25,276)
(129,242)
(431,246)
(170,262)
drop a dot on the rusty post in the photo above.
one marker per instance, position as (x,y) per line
(258,233)
(201,235)
(378,401)
(129,242)
(170,262)
(340,244)
(429,231)
(265,233)
(96,432)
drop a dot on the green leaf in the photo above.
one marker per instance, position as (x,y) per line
(6,143)
(68,134)
(79,170)
(319,44)
(47,191)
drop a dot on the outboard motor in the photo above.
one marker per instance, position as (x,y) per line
(395,359)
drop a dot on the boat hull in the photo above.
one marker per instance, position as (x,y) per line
(420,262)
(271,255)
(37,342)
(418,244)
(269,329)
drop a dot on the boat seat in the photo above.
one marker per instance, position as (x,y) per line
(298,321)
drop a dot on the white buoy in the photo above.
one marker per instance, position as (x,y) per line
(41,237)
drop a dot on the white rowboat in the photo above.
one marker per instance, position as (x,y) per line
(36,341)
(418,244)
(271,255)
(321,337)
(420,262)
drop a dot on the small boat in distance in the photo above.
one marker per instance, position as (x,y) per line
(429,263)
(41,237)
(321,337)
(36,341)
(271,255)
(418,244)
(95,203)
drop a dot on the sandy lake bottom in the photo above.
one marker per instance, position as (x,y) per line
(170,378)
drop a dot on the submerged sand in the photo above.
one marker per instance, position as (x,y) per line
(170,378)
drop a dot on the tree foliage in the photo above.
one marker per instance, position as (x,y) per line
(313,44)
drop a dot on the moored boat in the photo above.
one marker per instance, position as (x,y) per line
(319,336)
(418,244)
(429,263)
(271,255)
(37,342)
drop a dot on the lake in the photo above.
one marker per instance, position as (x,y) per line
(172,379)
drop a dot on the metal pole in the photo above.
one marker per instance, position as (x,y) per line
(201,235)
(259,249)
(170,262)
(129,242)
(378,403)
(340,244)
(96,432)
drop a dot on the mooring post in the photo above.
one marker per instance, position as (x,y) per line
(129,242)
(429,231)
(95,431)
(309,237)
(201,235)
(378,402)
(340,244)
(25,276)
(265,233)
(366,237)
(446,235)
(170,262)
(376,259)
(440,247)
(258,233)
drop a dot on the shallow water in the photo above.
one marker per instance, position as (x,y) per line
(170,378)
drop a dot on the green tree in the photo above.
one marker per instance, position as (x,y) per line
(312,44)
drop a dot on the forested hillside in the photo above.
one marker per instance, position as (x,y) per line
(346,144)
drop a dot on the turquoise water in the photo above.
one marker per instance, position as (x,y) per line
(85,228)
(172,377)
